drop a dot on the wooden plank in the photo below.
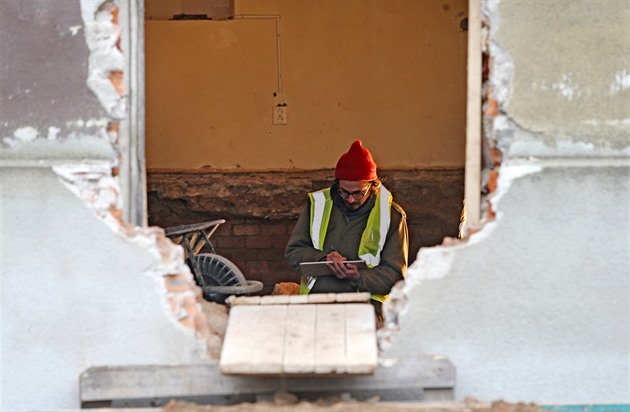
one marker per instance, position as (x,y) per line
(409,376)
(299,299)
(473,117)
(265,339)
(268,347)
(240,340)
(299,351)
(361,347)
(330,339)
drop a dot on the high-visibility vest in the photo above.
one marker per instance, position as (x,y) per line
(371,243)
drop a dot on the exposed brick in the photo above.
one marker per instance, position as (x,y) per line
(492,107)
(276,229)
(270,279)
(258,267)
(258,242)
(191,306)
(245,229)
(228,242)
(250,255)
(239,264)
(279,265)
(177,283)
(493,176)
(279,242)
(431,198)
(252,275)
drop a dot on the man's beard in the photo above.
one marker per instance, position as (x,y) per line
(352,207)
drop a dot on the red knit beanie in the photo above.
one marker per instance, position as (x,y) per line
(356,164)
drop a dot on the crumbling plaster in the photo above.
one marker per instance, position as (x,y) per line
(75,294)
(80,287)
(572,60)
(47,112)
(533,306)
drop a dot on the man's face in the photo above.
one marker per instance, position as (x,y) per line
(354,193)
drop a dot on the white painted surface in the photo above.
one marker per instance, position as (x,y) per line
(74,295)
(537,310)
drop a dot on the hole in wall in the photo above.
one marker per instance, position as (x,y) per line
(392,76)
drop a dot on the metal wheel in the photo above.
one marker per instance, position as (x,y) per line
(217,270)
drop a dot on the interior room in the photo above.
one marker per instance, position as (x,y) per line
(250,103)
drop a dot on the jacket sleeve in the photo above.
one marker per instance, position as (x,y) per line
(300,246)
(393,265)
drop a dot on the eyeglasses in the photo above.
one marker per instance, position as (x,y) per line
(358,195)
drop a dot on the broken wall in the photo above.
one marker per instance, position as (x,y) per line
(345,70)
(80,287)
(534,306)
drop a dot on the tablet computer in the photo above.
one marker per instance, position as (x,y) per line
(322,269)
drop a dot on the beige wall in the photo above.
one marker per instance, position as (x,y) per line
(166,9)
(389,72)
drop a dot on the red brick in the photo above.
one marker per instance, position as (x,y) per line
(253,276)
(276,229)
(239,264)
(492,108)
(278,241)
(228,242)
(279,265)
(258,267)
(258,242)
(245,230)
(270,279)
(252,255)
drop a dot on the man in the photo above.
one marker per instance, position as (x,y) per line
(354,219)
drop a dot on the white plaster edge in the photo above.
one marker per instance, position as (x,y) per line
(76,147)
(101,36)
(563,148)
(507,175)
(435,262)
(94,184)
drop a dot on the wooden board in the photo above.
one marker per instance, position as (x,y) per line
(421,377)
(300,339)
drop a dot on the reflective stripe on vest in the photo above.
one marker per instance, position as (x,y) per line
(371,243)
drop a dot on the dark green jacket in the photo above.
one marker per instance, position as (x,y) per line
(345,236)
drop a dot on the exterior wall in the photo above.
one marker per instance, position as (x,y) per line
(80,288)
(75,294)
(391,73)
(534,306)
(262,208)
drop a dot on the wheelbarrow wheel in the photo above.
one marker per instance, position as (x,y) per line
(217,270)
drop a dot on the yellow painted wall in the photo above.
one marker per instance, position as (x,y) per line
(392,73)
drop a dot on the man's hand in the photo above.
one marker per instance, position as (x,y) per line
(342,270)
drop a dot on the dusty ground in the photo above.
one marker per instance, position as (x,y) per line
(217,316)
(285,402)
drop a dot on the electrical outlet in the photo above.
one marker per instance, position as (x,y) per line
(279,115)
